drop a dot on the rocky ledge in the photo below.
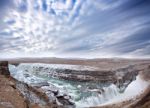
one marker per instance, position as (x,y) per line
(140,101)
(121,77)
(16,94)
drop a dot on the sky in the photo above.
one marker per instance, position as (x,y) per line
(75,28)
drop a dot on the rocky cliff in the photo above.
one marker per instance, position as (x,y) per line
(16,94)
(4,68)
(142,100)
(121,77)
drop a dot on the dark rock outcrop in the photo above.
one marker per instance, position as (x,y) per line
(4,68)
(124,76)
(10,97)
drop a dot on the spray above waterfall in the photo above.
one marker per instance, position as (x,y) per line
(82,93)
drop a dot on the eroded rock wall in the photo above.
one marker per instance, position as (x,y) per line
(16,94)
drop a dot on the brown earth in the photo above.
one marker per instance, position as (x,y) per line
(101,63)
(16,94)
(10,97)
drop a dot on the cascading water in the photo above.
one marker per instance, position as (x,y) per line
(82,93)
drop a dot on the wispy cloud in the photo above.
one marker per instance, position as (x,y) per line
(77,28)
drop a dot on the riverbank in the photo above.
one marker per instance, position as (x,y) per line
(36,93)
(16,94)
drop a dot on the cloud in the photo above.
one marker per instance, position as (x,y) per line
(75,27)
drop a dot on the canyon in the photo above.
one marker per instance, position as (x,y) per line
(100,83)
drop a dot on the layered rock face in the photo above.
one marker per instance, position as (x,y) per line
(142,100)
(120,77)
(16,94)
(124,76)
(46,95)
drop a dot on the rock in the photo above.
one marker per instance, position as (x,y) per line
(40,84)
(34,95)
(10,97)
(124,76)
(26,75)
(4,68)
(51,96)
(64,101)
(51,88)
(7,105)
(67,97)
(4,63)
(16,94)
(58,103)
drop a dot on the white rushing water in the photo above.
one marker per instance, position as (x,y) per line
(83,94)
(134,89)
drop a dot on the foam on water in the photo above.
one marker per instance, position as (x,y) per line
(80,92)
(55,66)
(134,89)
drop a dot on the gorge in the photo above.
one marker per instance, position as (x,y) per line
(77,86)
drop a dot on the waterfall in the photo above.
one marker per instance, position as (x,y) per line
(95,100)
(83,93)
